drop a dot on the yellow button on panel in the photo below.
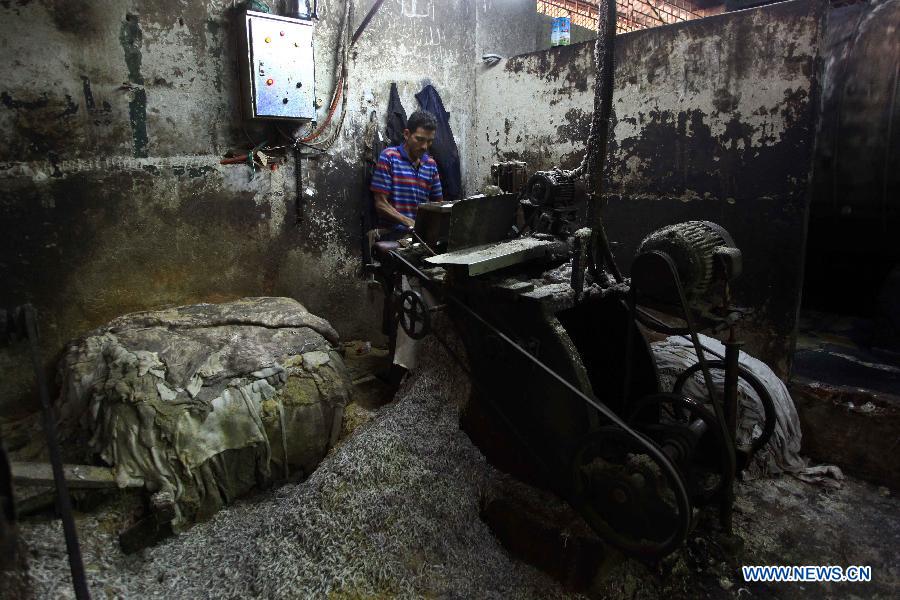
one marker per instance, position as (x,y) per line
(268,39)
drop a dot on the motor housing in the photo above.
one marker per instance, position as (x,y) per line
(703,252)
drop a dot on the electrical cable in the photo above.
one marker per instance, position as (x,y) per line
(341,87)
(336,130)
(340,92)
(292,137)
(321,129)
(340,83)
(345,94)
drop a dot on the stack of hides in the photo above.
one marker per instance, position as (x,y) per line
(207,401)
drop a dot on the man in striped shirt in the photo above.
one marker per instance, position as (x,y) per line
(406,175)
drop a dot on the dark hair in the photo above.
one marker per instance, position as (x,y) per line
(421,119)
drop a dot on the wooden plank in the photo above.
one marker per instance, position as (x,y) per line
(77,476)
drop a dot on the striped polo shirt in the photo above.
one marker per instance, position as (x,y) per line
(405,185)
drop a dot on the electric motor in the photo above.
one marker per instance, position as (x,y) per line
(552,200)
(694,246)
(551,189)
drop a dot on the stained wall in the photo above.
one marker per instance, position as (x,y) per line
(713,119)
(114,116)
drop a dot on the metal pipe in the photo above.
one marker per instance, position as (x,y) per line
(63,502)
(595,159)
(729,399)
(298,184)
(732,366)
(366,20)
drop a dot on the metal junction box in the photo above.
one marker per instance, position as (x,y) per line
(277,67)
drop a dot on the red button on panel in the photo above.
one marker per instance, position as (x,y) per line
(282,34)
(270,81)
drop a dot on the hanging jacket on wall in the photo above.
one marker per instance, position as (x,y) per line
(444,150)
(396,119)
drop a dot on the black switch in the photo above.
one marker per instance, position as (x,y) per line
(299,84)
(285,101)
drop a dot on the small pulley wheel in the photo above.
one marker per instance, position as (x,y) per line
(414,317)
(691,436)
(627,497)
(758,386)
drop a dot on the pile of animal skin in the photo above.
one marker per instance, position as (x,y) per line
(200,402)
(391,512)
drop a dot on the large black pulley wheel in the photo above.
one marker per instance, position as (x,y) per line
(413,314)
(691,436)
(627,497)
(753,381)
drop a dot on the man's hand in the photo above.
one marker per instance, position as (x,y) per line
(386,210)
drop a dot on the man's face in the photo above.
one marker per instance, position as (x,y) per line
(418,142)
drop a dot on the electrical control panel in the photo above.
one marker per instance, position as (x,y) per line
(277,67)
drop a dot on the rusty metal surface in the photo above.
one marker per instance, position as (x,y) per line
(713,120)
(488,258)
(481,220)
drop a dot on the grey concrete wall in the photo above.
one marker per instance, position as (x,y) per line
(506,28)
(855,210)
(713,119)
(513,27)
(113,118)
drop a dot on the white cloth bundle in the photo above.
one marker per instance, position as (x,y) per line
(782,453)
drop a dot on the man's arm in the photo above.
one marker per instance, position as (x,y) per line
(437,191)
(381,185)
(384,208)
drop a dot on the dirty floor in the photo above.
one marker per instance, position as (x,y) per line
(418,528)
